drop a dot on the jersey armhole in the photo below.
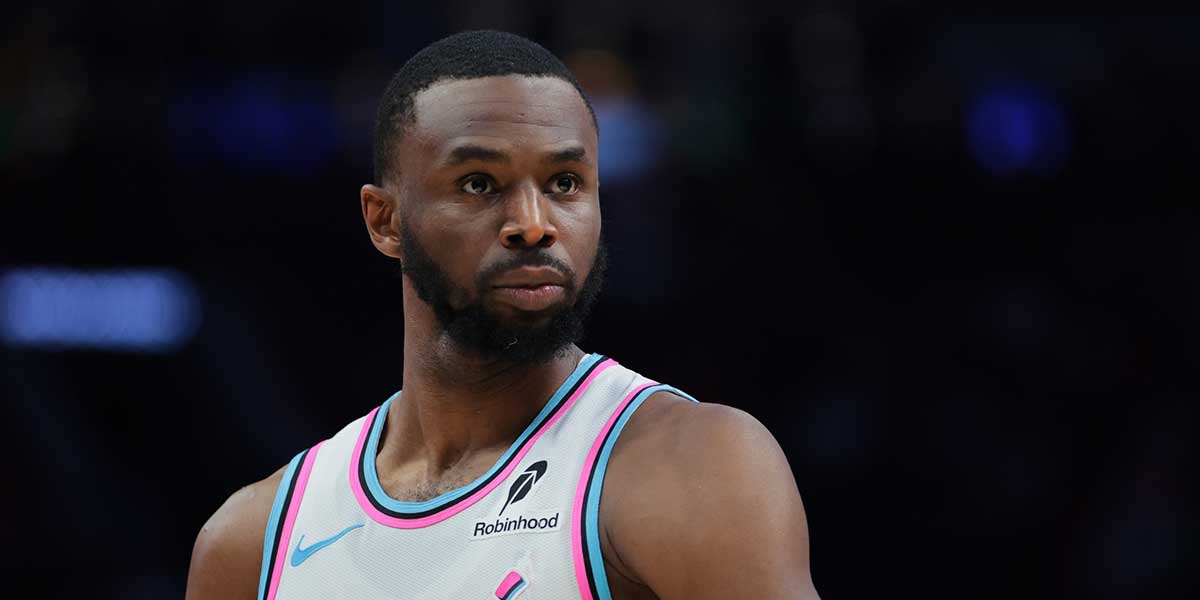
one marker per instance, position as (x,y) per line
(589,563)
(283,517)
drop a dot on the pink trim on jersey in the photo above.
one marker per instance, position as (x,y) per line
(462,505)
(508,584)
(577,540)
(285,538)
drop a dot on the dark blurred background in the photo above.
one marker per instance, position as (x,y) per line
(947,260)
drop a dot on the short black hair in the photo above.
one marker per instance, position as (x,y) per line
(466,55)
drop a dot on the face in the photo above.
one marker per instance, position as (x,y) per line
(494,213)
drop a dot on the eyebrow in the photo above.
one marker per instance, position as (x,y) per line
(573,154)
(470,152)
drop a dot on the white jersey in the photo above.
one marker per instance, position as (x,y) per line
(526,528)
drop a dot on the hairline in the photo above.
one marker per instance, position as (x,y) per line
(403,125)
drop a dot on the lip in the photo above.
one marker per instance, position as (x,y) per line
(531,277)
(532,298)
(531,288)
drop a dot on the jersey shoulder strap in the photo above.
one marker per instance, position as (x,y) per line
(282,520)
(585,536)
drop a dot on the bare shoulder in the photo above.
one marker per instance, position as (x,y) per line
(672,433)
(697,422)
(700,502)
(227,555)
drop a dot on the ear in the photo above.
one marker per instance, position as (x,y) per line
(379,210)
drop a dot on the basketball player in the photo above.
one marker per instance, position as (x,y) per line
(513,464)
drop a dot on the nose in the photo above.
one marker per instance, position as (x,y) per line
(527,220)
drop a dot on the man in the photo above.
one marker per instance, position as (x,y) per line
(513,464)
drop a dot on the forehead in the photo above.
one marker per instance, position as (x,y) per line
(512,110)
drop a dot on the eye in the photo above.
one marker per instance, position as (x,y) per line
(478,185)
(565,184)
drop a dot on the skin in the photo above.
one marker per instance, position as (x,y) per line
(699,501)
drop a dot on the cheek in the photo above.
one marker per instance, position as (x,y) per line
(456,243)
(579,231)
(462,255)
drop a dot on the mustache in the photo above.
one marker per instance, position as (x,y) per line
(529,258)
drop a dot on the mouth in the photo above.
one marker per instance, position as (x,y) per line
(531,297)
(530,277)
(531,289)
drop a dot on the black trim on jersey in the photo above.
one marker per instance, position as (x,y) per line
(287,501)
(362,458)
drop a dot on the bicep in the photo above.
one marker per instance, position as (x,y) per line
(722,517)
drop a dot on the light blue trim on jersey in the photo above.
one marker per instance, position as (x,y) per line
(372,449)
(591,509)
(681,393)
(273,522)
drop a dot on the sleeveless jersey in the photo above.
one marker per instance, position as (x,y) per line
(527,528)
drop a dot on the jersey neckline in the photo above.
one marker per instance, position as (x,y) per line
(364,479)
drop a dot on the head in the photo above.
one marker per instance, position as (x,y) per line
(487,194)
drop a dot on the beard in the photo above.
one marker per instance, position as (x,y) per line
(465,319)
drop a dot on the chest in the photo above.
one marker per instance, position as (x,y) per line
(526,529)
(522,526)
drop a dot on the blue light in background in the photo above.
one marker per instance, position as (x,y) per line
(1017,130)
(136,310)
(262,122)
(629,133)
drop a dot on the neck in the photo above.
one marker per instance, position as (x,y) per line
(458,412)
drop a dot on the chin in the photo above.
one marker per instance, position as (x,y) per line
(510,316)
(525,322)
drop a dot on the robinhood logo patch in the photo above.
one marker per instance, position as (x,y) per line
(525,523)
(521,487)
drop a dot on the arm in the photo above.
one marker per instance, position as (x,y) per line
(227,556)
(704,505)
